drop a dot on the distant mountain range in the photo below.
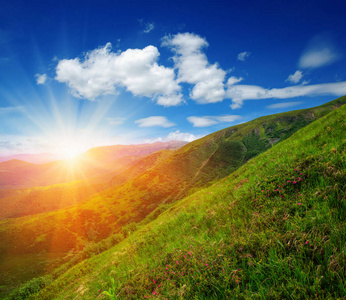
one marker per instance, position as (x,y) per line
(40,158)
(109,152)
(95,162)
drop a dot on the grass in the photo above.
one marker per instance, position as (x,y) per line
(274,229)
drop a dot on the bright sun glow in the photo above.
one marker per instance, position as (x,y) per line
(70,148)
(70,152)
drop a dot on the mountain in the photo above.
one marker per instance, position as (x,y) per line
(136,197)
(31,158)
(273,229)
(108,154)
(141,166)
(25,202)
(14,163)
(97,161)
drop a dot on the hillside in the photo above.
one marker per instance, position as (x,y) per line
(274,229)
(107,154)
(25,202)
(138,195)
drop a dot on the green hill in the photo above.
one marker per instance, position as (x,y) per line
(108,217)
(274,229)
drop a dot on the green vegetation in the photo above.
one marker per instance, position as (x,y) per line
(274,229)
(271,226)
(25,202)
(31,287)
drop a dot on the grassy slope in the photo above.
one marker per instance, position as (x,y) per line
(25,202)
(143,165)
(274,229)
(139,199)
(23,245)
(192,166)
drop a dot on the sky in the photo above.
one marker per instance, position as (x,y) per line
(79,74)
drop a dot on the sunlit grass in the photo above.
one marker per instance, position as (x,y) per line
(274,229)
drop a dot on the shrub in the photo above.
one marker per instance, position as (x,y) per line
(31,287)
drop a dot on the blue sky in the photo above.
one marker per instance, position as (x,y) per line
(78,74)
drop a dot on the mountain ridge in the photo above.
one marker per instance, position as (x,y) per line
(97,161)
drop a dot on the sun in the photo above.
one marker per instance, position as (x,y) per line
(69,148)
(70,152)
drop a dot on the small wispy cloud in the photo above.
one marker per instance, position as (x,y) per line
(176,136)
(154,121)
(238,93)
(10,144)
(283,105)
(41,78)
(115,121)
(243,55)
(320,52)
(318,58)
(233,80)
(148,26)
(296,77)
(182,136)
(207,121)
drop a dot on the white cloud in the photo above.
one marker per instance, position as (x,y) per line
(194,68)
(115,121)
(296,77)
(176,136)
(317,58)
(41,78)
(238,93)
(182,136)
(202,121)
(233,80)
(243,55)
(227,118)
(101,71)
(206,121)
(154,121)
(10,144)
(170,100)
(320,52)
(283,105)
(148,27)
